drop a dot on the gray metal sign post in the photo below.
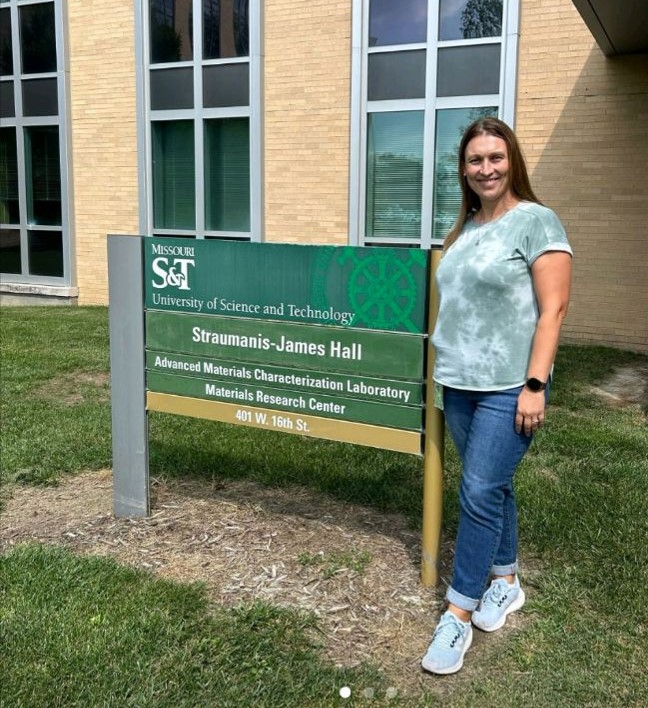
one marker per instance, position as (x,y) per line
(129,418)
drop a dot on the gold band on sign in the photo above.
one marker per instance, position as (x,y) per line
(287,422)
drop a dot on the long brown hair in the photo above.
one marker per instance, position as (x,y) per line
(518,176)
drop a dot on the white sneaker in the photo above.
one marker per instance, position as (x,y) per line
(451,640)
(498,602)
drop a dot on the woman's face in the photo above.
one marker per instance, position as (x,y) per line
(486,166)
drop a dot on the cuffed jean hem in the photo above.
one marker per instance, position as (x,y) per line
(510,569)
(461,601)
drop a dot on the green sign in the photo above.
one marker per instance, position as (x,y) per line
(367,288)
(238,331)
(361,411)
(353,351)
(346,385)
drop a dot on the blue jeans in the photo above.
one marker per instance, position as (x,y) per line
(482,425)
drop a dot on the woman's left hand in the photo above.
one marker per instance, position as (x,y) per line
(530,412)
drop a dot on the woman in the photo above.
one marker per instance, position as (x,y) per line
(504,283)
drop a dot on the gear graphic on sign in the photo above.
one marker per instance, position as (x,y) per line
(381,290)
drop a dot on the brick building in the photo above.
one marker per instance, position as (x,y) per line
(323,122)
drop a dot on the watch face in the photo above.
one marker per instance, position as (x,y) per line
(535,384)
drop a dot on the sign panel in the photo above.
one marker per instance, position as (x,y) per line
(343,286)
(361,411)
(289,337)
(313,426)
(372,389)
(354,351)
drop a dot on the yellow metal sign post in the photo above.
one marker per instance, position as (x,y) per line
(433,456)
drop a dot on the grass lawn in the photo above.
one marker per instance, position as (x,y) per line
(88,632)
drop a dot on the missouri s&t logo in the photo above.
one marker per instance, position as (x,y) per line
(174,274)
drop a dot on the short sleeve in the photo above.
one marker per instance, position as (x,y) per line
(546,233)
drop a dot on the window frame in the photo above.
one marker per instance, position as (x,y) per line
(430,104)
(20,122)
(198,115)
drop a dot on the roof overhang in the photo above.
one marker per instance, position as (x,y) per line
(618,26)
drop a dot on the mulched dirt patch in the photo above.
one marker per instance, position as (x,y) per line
(244,541)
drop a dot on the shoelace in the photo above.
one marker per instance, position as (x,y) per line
(495,593)
(448,633)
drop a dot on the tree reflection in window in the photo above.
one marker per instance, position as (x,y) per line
(469,19)
(225,29)
(171,30)
(38,38)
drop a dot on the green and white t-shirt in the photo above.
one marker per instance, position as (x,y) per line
(488,310)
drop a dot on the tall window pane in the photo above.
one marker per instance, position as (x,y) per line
(174,200)
(9,213)
(6,52)
(171,29)
(225,29)
(37,38)
(394,174)
(469,19)
(43,175)
(227,174)
(450,126)
(397,22)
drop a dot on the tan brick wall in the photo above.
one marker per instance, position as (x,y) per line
(581,118)
(307,120)
(104,145)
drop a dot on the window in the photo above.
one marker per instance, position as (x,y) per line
(394,173)
(427,70)
(174,197)
(34,222)
(227,175)
(202,126)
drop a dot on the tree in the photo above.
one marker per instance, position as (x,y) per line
(481,18)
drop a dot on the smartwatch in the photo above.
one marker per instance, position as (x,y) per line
(535,385)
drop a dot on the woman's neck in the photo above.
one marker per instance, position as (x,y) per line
(489,211)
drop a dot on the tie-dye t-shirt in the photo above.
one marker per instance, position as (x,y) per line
(488,310)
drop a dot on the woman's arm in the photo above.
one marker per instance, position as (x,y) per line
(551,274)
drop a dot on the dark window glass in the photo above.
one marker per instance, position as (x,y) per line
(171,89)
(469,19)
(171,26)
(397,22)
(45,251)
(43,175)
(226,85)
(6,51)
(394,174)
(174,189)
(7,108)
(225,29)
(37,38)
(40,97)
(9,213)
(469,70)
(10,251)
(227,174)
(394,75)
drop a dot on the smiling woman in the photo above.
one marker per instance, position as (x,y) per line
(504,284)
